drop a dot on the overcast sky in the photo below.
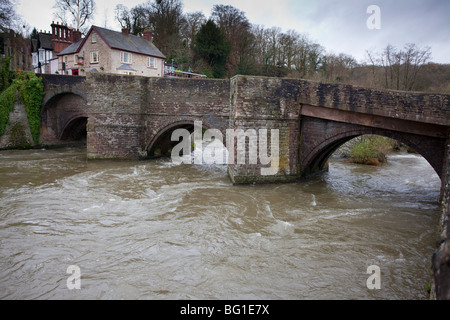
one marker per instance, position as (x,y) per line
(338,25)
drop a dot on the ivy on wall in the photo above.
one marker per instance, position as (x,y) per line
(30,90)
(7,99)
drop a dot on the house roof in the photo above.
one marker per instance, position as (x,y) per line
(45,41)
(120,41)
(73,48)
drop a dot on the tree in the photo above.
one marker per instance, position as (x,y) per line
(140,19)
(122,15)
(211,46)
(136,20)
(414,59)
(400,67)
(192,24)
(337,68)
(237,30)
(81,11)
(7,14)
(166,19)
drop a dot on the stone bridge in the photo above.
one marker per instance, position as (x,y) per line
(125,117)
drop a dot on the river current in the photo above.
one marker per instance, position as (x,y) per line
(157,230)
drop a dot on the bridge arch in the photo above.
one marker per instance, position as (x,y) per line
(63,117)
(160,142)
(75,129)
(316,155)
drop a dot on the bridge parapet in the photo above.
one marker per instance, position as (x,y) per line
(413,106)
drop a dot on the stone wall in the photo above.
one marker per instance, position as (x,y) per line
(17,132)
(55,85)
(441,259)
(170,101)
(266,103)
(115,125)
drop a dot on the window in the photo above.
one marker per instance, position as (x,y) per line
(94,37)
(94,57)
(126,57)
(151,62)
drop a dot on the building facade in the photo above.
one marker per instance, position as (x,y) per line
(18,48)
(48,45)
(108,51)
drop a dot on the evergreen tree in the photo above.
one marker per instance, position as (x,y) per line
(211,46)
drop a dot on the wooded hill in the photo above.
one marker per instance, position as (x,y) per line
(226,44)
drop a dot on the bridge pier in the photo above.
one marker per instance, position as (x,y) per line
(264,103)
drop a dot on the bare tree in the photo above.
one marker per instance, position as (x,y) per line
(193,23)
(7,14)
(414,59)
(81,12)
(237,30)
(337,68)
(136,20)
(400,67)
(166,18)
(122,15)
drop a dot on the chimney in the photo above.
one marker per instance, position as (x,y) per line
(148,34)
(76,34)
(126,31)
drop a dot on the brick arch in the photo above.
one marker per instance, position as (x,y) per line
(75,128)
(52,94)
(162,137)
(58,112)
(315,151)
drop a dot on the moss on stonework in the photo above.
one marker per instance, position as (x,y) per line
(30,90)
(18,137)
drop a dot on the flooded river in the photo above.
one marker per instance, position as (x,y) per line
(156,230)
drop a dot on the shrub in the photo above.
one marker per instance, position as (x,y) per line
(371,150)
